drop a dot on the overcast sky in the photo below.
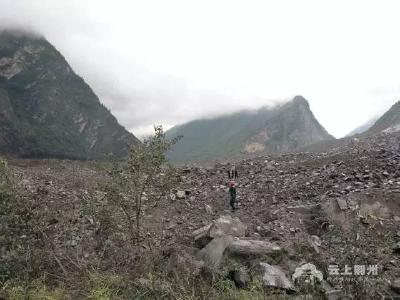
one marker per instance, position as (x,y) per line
(167,62)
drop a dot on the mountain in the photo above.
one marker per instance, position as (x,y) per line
(363,128)
(271,130)
(47,110)
(389,122)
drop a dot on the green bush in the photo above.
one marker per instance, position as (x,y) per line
(136,184)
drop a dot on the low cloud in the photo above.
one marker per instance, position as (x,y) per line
(168,62)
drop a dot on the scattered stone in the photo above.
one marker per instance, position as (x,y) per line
(330,292)
(72,243)
(342,203)
(181,194)
(302,209)
(213,253)
(395,286)
(224,225)
(240,277)
(364,220)
(316,240)
(227,225)
(396,248)
(209,209)
(273,276)
(252,247)
(201,232)
(52,221)
(307,274)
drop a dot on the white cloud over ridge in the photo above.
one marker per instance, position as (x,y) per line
(167,62)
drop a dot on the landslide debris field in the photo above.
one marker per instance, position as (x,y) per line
(338,208)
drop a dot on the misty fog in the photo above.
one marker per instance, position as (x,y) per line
(158,62)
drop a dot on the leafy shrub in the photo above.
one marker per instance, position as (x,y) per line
(136,184)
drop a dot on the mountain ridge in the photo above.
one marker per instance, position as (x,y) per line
(47,110)
(388,122)
(363,128)
(272,130)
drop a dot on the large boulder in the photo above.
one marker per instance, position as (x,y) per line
(241,277)
(253,247)
(213,253)
(227,225)
(307,274)
(224,225)
(273,276)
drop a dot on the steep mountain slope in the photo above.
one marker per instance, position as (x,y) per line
(272,130)
(363,128)
(389,122)
(46,110)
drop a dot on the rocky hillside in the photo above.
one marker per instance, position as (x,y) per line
(363,128)
(389,122)
(267,130)
(299,217)
(46,110)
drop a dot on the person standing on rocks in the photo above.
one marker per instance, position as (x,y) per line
(232,193)
(233,173)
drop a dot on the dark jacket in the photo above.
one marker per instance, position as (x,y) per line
(232,192)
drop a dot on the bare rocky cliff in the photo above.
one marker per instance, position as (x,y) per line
(267,130)
(47,110)
(389,122)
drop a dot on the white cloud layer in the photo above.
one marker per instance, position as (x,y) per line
(167,62)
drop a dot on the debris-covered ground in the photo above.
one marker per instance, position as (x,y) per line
(337,211)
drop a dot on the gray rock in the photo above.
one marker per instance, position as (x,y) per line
(181,194)
(396,248)
(252,247)
(227,225)
(240,277)
(213,253)
(307,274)
(273,276)
(330,292)
(209,209)
(395,286)
(316,240)
(342,203)
(224,225)
(302,209)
